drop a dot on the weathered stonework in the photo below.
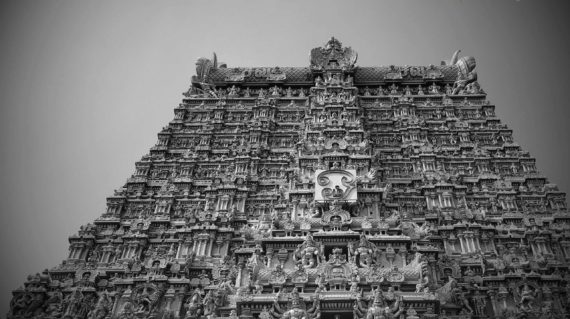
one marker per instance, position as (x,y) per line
(327,191)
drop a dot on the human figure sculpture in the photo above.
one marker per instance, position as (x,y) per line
(209,303)
(194,306)
(314,210)
(461,300)
(233,91)
(527,298)
(296,310)
(422,284)
(128,311)
(362,252)
(319,81)
(308,253)
(337,192)
(379,309)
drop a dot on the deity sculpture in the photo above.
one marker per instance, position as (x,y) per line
(297,308)
(379,309)
(308,253)
(527,297)
(194,306)
(362,252)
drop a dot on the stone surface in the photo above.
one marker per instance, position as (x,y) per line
(327,191)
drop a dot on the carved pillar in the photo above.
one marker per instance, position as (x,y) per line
(295,209)
(502,298)
(480,302)
(219,243)
(475,243)
(469,242)
(241,266)
(461,237)
(169,296)
(376,208)
(180,249)
(403,254)
(115,303)
(493,296)
(225,247)
(203,244)
(269,255)
(432,268)
(450,245)
(210,245)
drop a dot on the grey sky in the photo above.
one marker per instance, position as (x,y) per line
(85,86)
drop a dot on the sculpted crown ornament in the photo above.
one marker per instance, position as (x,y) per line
(333,56)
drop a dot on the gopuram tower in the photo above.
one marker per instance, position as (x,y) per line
(330,191)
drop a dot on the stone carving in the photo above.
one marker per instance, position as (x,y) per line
(194,307)
(465,72)
(337,185)
(378,308)
(297,308)
(363,252)
(333,56)
(309,253)
(336,217)
(388,192)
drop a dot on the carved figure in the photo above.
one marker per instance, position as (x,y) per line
(194,306)
(308,253)
(333,56)
(362,252)
(465,73)
(379,309)
(297,308)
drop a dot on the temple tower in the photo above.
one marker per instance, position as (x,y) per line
(320,192)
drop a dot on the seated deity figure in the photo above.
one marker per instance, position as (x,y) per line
(337,256)
(332,80)
(337,192)
(319,81)
(336,223)
(314,210)
(434,89)
(393,89)
(420,90)
(233,91)
(308,253)
(275,91)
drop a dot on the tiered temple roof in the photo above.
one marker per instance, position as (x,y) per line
(326,191)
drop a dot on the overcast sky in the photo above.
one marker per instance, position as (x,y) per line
(86,86)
